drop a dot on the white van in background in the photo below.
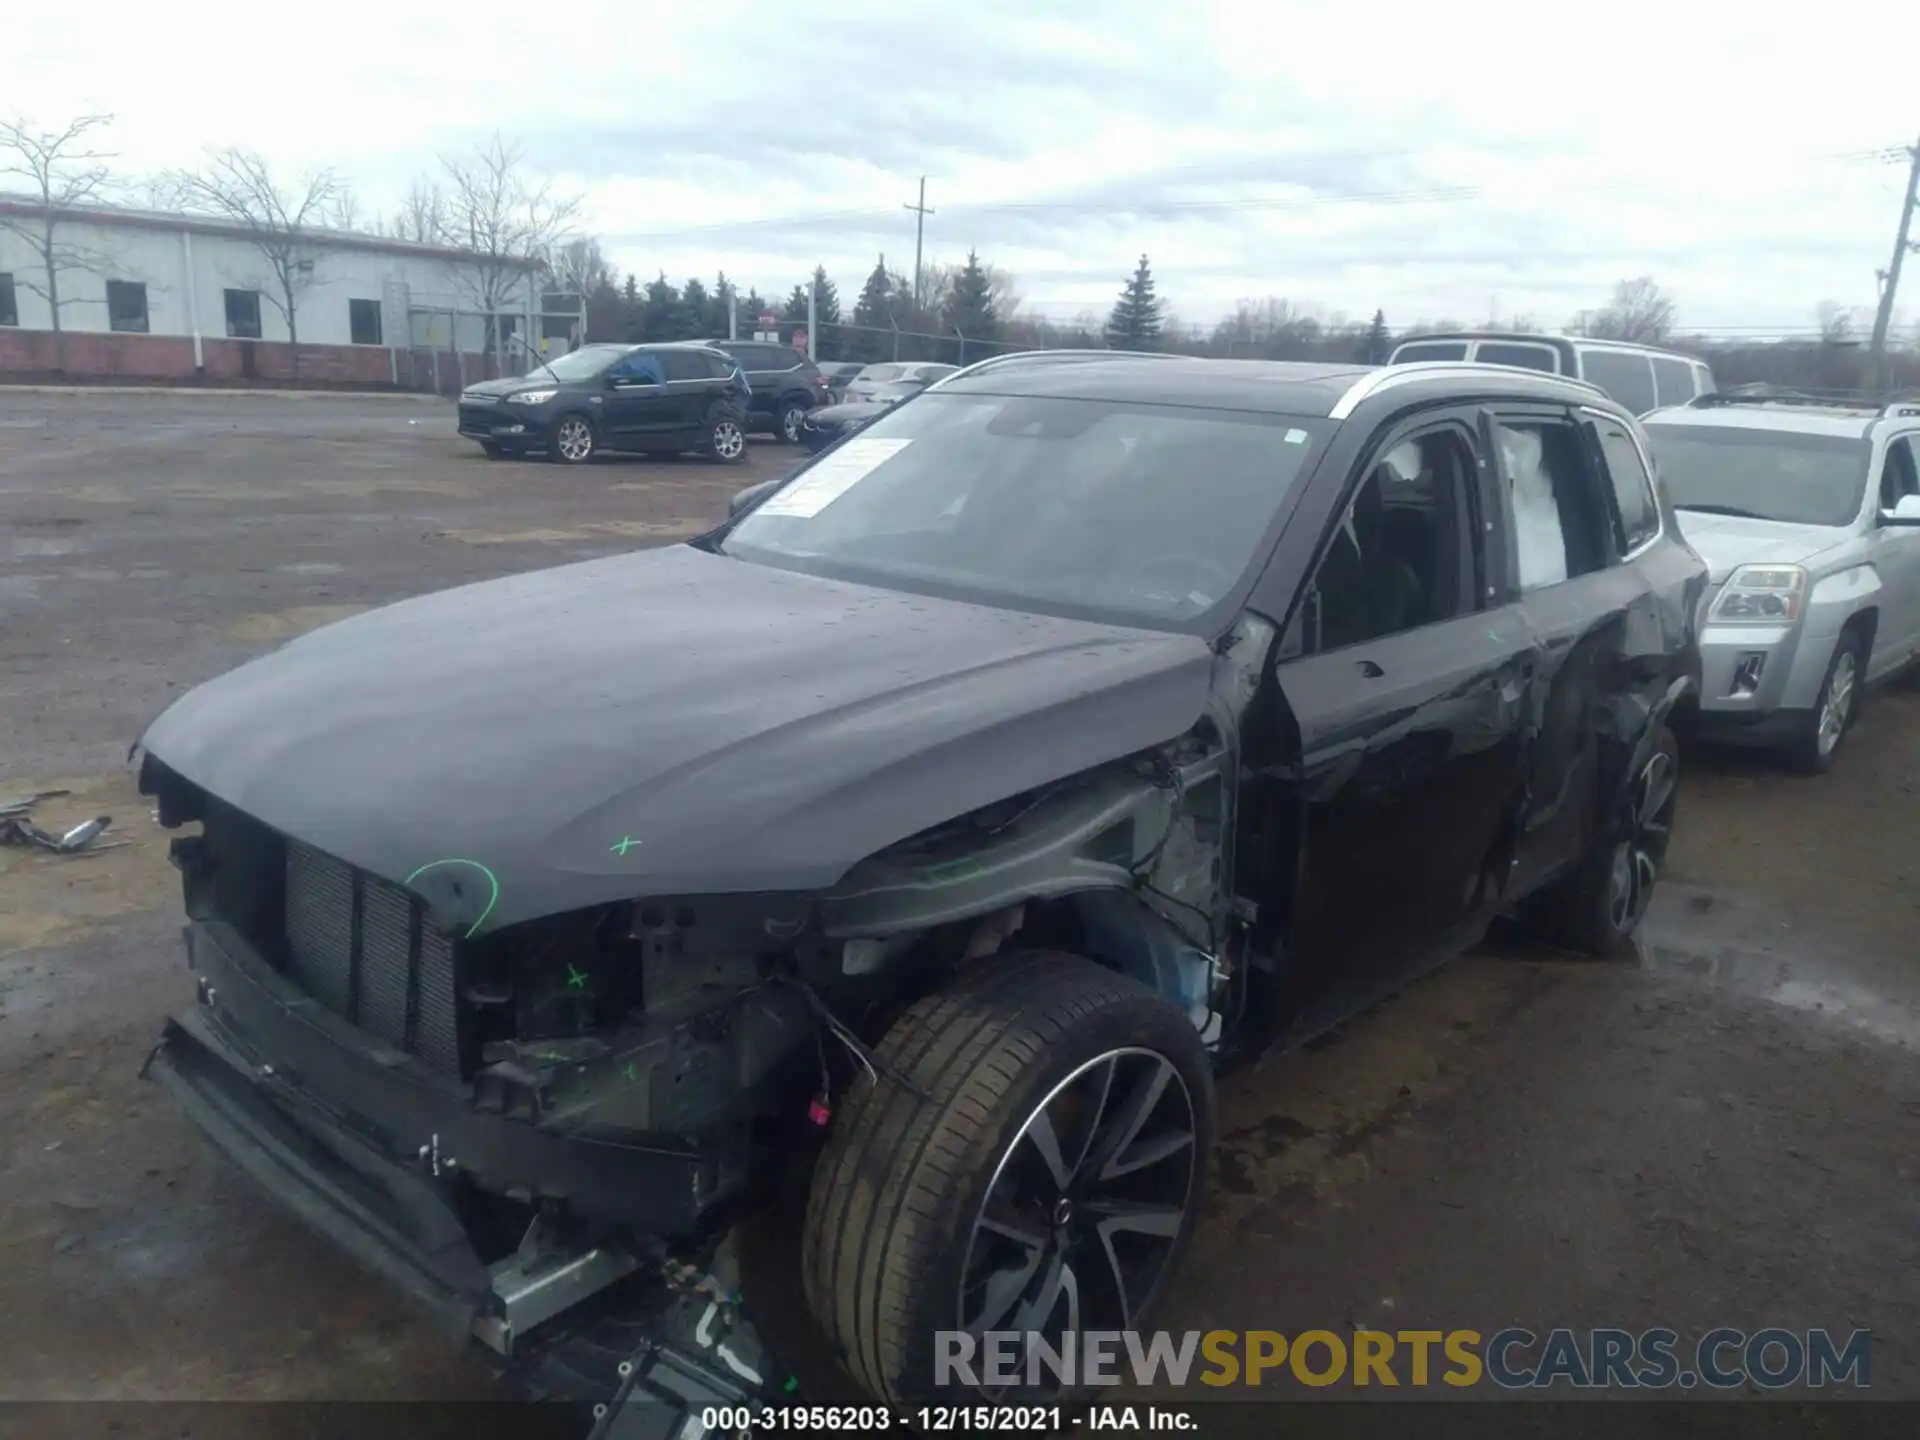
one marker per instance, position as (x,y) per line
(1640,377)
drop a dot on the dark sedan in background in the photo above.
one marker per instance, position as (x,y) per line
(832,423)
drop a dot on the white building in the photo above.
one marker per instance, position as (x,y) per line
(146,294)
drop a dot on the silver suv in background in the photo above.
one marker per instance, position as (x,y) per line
(1640,377)
(1808,515)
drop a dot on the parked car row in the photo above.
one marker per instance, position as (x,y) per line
(704,395)
(1640,377)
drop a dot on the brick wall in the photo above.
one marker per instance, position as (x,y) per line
(28,355)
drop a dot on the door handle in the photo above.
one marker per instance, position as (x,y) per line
(1369,669)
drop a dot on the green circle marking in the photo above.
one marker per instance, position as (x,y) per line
(492,880)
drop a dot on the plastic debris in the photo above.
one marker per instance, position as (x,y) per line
(16,828)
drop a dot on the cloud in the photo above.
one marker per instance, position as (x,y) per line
(1427,160)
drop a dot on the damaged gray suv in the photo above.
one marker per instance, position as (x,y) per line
(933,830)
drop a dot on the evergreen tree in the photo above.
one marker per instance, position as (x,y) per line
(1378,343)
(718,307)
(873,341)
(751,309)
(796,306)
(695,303)
(661,317)
(969,307)
(1136,318)
(826,310)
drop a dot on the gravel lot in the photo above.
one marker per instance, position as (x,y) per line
(1726,1133)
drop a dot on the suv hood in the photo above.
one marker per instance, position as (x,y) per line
(498,388)
(669,722)
(1726,542)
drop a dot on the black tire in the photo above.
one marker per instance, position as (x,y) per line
(899,1193)
(1586,911)
(1812,751)
(491,450)
(574,440)
(726,436)
(786,421)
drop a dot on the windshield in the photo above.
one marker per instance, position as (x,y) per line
(896,390)
(1146,514)
(582,364)
(882,372)
(1762,474)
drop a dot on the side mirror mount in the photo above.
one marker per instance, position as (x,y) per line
(1905,513)
(746,499)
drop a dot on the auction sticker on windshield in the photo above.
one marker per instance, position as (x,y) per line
(836,473)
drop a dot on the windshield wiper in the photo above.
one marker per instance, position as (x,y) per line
(1733,510)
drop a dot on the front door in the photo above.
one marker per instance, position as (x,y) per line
(1896,555)
(635,407)
(1409,695)
(690,390)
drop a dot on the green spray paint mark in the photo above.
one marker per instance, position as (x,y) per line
(632,1075)
(793,1384)
(623,844)
(576,979)
(492,880)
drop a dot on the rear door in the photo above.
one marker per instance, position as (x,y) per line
(689,391)
(1408,692)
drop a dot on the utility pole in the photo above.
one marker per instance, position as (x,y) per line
(1890,282)
(920,213)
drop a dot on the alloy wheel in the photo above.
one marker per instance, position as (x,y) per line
(1638,857)
(1088,1206)
(574,439)
(1837,709)
(790,424)
(728,440)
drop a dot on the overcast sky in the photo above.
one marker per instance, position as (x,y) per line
(1437,161)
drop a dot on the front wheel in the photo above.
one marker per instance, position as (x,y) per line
(790,419)
(1812,751)
(573,440)
(1596,909)
(1050,1184)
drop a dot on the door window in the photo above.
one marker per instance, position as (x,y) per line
(684,365)
(636,368)
(1558,530)
(1898,477)
(1672,381)
(1527,357)
(1636,511)
(1625,376)
(1402,556)
(1430,350)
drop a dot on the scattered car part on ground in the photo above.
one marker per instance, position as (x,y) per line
(17,828)
(544,958)
(659,399)
(1808,514)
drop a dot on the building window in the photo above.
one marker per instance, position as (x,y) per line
(9,306)
(127,306)
(363,321)
(243,314)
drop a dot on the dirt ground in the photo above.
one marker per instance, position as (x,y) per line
(1727,1133)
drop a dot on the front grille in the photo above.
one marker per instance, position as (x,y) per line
(361,947)
(479,421)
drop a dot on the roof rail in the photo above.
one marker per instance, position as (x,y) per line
(1714,399)
(1035,358)
(1385,376)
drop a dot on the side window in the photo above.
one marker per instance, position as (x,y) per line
(1431,350)
(1672,381)
(719,367)
(1559,531)
(1638,511)
(636,367)
(1623,375)
(1403,555)
(781,358)
(683,365)
(1527,357)
(1702,380)
(1898,474)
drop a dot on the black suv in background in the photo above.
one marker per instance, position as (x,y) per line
(786,384)
(660,398)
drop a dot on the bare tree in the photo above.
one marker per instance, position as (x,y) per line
(1639,311)
(579,266)
(1836,324)
(344,212)
(238,187)
(509,223)
(422,217)
(64,173)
